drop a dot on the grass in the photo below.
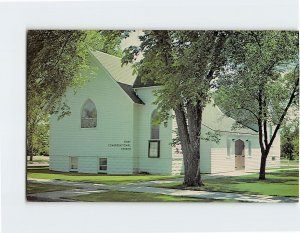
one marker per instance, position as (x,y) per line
(290,162)
(282,167)
(117,196)
(281,183)
(44,173)
(41,188)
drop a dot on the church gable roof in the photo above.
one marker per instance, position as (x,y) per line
(123,75)
(214,119)
(131,93)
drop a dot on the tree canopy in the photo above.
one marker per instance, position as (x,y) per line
(260,82)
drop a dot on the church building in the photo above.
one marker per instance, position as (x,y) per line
(110,131)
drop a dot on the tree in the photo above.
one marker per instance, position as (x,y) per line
(56,60)
(260,82)
(184,64)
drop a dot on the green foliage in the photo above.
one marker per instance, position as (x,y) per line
(257,61)
(213,136)
(289,138)
(260,82)
(40,137)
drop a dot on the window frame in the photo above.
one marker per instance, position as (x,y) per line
(71,164)
(101,165)
(158,148)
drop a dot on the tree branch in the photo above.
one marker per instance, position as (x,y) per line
(292,97)
(265,126)
(63,48)
(259,121)
(249,110)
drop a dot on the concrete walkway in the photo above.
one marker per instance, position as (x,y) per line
(145,187)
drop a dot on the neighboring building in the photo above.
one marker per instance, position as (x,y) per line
(110,131)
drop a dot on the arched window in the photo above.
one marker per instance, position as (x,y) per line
(89,115)
(154,125)
(154,142)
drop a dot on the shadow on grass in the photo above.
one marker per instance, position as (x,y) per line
(282,184)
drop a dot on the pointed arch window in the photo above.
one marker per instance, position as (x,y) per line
(89,115)
(154,142)
(154,125)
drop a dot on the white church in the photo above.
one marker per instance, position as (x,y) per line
(110,131)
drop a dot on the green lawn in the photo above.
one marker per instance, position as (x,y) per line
(117,196)
(44,173)
(282,167)
(281,183)
(290,162)
(41,188)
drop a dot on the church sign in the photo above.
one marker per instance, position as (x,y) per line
(123,146)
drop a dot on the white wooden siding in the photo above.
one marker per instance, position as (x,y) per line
(136,135)
(59,163)
(274,152)
(252,162)
(88,164)
(220,162)
(114,126)
(142,124)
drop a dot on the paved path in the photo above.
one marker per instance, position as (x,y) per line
(145,187)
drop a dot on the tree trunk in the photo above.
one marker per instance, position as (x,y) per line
(262,170)
(29,150)
(264,144)
(192,176)
(190,144)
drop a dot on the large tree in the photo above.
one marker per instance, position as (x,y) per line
(183,64)
(56,60)
(260,83)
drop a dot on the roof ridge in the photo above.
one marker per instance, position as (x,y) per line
(113,64)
